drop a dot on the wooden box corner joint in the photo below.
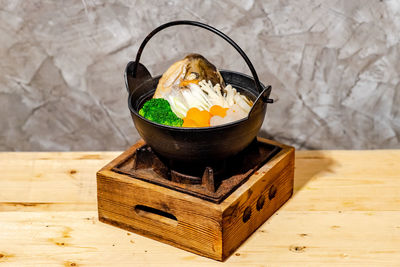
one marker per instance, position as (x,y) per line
(209,229)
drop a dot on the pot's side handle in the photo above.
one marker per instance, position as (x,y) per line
(262,98)
(132,82)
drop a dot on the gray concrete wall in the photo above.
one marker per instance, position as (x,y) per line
(334,67)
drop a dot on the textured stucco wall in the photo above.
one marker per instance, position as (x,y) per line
(334,67)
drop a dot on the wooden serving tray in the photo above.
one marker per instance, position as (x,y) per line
(213,230)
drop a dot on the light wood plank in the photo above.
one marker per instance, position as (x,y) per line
(345,180)
(345,211)
(288,238)
(53,180)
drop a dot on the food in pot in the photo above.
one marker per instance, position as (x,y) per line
(197,94)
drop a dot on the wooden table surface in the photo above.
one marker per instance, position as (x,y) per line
(345,211)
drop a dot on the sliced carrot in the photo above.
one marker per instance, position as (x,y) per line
(193,112)
(204,118)
(217,110)
(200,118)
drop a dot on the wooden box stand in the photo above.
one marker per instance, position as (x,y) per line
(191,223)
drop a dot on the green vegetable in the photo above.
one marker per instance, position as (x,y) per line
(159,110)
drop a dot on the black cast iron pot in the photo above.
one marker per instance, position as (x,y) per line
(196,145)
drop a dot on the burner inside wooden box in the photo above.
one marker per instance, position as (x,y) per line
(213,182)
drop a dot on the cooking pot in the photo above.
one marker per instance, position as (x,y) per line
(196,145)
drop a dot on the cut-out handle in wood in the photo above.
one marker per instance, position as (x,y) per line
(156,215)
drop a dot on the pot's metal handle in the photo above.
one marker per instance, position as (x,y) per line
(207,27)
(136,73)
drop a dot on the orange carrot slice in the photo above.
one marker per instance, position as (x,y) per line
(217,110)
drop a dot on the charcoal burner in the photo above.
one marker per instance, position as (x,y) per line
(209,209)
(212,181)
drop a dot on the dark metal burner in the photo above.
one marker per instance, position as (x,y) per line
(213,182)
